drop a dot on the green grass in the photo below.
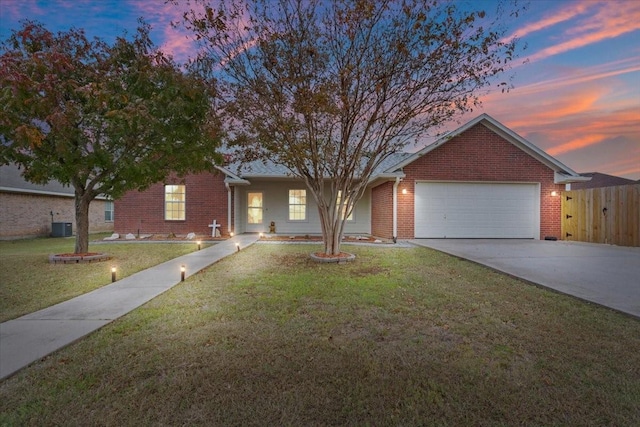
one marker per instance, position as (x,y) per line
(398,337)
(29,283)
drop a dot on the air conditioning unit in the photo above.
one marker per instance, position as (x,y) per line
(61,229)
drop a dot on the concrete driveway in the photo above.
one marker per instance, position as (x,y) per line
(603,274)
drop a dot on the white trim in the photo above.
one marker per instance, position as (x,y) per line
(228,187)
(560,178)
(289,204)
(232,178)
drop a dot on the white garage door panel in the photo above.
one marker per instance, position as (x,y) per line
(476,210)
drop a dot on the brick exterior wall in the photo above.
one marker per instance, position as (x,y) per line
(143,211)
(382,210)
(477,154)
(29,215)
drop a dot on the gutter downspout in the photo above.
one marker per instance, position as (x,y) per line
(228,187)
(395,209)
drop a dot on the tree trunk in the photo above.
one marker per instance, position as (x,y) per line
(82,223)
(332,240)
(332,227)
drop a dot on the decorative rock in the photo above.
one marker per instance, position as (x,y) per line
(377,241)
(130,237)
(191,236)
(77,258)
(114,236)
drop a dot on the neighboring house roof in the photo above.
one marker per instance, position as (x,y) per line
(601,180)
(391,167)
(563,174)
(11,180)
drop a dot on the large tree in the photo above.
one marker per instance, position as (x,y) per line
(331,89)
(102,118)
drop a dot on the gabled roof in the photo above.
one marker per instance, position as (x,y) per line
(391,167)
(563,174)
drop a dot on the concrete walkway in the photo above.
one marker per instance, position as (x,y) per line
(31,337)
(604,274)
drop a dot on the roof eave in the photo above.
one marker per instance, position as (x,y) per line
(560,178)
(385,177)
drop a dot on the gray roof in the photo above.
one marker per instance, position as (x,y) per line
(269,169)
(392,166)
(11,180)
(259,168)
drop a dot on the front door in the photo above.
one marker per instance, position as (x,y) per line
(255,208)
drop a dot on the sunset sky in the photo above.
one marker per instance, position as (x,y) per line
(577,84)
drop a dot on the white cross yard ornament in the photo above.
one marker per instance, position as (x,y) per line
(214,229)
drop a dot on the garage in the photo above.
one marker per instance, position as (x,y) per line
(477,210)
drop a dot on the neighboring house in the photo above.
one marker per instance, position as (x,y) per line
(29,210)
(479,181)
(599,180)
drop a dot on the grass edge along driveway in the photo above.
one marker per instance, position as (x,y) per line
(398,337)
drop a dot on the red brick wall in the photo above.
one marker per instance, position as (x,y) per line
(477,154)
(143,211)
(382,210)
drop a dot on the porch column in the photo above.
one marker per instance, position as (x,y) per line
(229,229)
(395,209)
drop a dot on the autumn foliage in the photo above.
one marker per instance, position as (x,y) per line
(102,118)
(332,89)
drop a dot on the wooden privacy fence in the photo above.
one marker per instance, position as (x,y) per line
(602,215)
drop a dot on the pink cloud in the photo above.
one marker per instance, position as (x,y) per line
(175,41)
(618,156)
(583,75)
(552,19)
(18,9)
(576,144)
(611,20)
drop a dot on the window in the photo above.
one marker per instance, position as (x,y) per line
(174,202)
(344,208)
(254,208)
(297,205)
(108,210)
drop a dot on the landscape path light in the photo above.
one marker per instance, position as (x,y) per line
(113,273)
(183,269)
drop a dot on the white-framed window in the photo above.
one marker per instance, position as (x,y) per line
(297,205)
(175,202)
(108,210)
(344,208)
(254,208)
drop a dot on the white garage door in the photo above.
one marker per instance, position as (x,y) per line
(477,210)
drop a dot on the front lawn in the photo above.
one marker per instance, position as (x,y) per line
(398,337)
(29,283)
